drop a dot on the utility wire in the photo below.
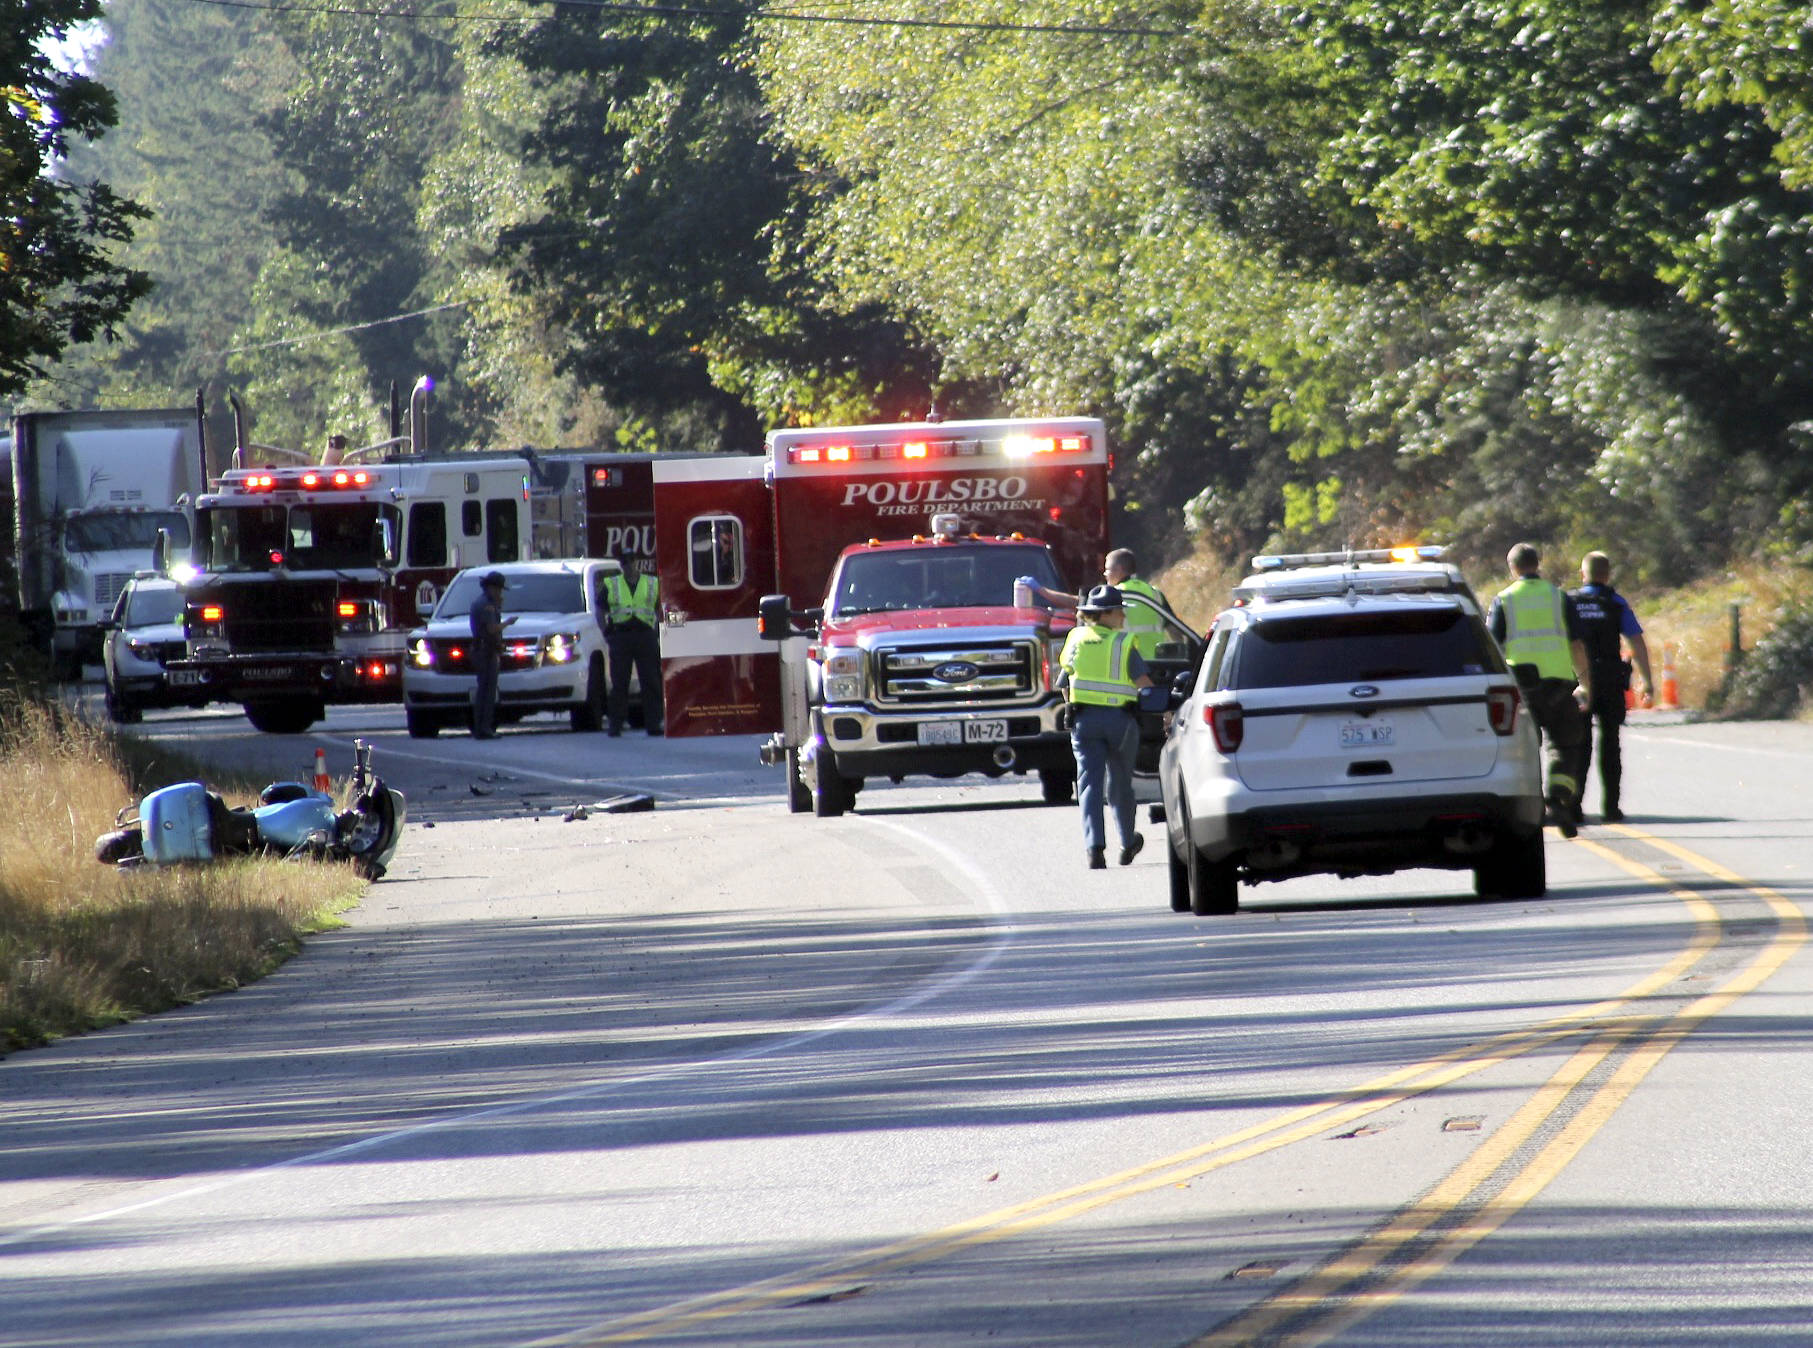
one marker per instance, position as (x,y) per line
(715,12)
(335,332)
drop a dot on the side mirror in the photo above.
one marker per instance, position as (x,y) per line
(384,542)
(774,617)
(160,552)
(1181,687)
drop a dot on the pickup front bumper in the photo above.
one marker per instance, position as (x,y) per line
(944,743)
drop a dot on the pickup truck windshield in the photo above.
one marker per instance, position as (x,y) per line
(942,576)
(301,537)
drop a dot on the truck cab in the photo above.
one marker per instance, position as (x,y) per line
(930,657)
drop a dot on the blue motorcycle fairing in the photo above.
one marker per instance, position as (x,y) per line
(176,824)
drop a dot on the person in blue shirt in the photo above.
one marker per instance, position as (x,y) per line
(1606,624)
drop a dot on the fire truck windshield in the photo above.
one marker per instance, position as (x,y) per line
(307,537)
(942,576)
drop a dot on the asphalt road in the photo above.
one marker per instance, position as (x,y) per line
(714,1073)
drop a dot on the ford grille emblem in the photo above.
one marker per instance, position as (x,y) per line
(955,671)
(1363,690)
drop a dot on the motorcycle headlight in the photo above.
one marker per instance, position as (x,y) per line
(843,676)
(562,648)
(419,654)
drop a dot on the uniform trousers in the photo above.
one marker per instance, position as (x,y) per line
(1569,736)
(485,665)
(635,646)
(1105,741)
(1608,711)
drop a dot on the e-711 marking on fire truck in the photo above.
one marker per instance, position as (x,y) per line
(307,578)
(913,655)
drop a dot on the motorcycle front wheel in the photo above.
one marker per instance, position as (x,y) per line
(120,846)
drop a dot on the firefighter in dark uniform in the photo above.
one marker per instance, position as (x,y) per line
(1606,623)
(1535,623)
(1103,673)
(633,634)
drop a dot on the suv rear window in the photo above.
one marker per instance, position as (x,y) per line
(1420,643)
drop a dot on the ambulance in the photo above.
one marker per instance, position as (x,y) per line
(858,595)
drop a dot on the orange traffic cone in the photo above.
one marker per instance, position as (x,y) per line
(1669,697)
(323,782)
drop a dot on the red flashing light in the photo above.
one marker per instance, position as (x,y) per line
(806,456)
(342,478)
(311,479)
(276,557)
(346,608)
(212,613)
(837,453)
(454,652)
(914,449)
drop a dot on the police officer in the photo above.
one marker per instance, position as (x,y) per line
(1121,570)
(488,623)
(1605,618)
(633,634)
(1535,623)
(1103,673)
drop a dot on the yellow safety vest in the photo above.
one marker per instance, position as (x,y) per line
(1144,625)
(626,603)
(1536,627)
(1096,660)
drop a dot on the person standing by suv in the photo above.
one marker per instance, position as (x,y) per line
(1103,673)
(634,636)
(1605,618)
(1535,623)
(488,623)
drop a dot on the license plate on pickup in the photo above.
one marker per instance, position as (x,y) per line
(1373,733)
(962,732)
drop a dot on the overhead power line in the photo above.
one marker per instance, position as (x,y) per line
(713,12)
(335,332)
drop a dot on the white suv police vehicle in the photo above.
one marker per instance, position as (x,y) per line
(1351,716)
(554,651)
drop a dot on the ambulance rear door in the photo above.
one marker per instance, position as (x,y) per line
(714,550)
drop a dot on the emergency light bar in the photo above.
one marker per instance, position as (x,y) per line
(1284,561)
(315,479)
(1008,447)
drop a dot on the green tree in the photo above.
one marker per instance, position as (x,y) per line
(59,281)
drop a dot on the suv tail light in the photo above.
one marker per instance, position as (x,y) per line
(1228,722)
(1501,708)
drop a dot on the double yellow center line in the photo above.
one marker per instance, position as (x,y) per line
(1357,1282)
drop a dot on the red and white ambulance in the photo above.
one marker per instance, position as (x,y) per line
(913,649)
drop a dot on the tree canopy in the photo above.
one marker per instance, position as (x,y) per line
(1336,270)
(59,282)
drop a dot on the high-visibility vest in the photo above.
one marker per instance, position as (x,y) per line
(1143,624)
(1097,659)
(1536,627)
(640,602)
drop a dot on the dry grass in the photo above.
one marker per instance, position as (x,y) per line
(1695,620)
(83,945)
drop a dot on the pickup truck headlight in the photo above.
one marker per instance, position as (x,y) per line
(419,654)
(561,648)
(843,676)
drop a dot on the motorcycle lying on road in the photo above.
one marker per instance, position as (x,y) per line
(189,823)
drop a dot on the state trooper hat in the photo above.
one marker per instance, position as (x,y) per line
(1102,599)
(494,578)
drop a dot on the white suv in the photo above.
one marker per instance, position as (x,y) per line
(1351,716)
(554,651)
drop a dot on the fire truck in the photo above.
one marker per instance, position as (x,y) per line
(913,649)
(305,578)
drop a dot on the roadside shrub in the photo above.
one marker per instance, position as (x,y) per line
(1773,680)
